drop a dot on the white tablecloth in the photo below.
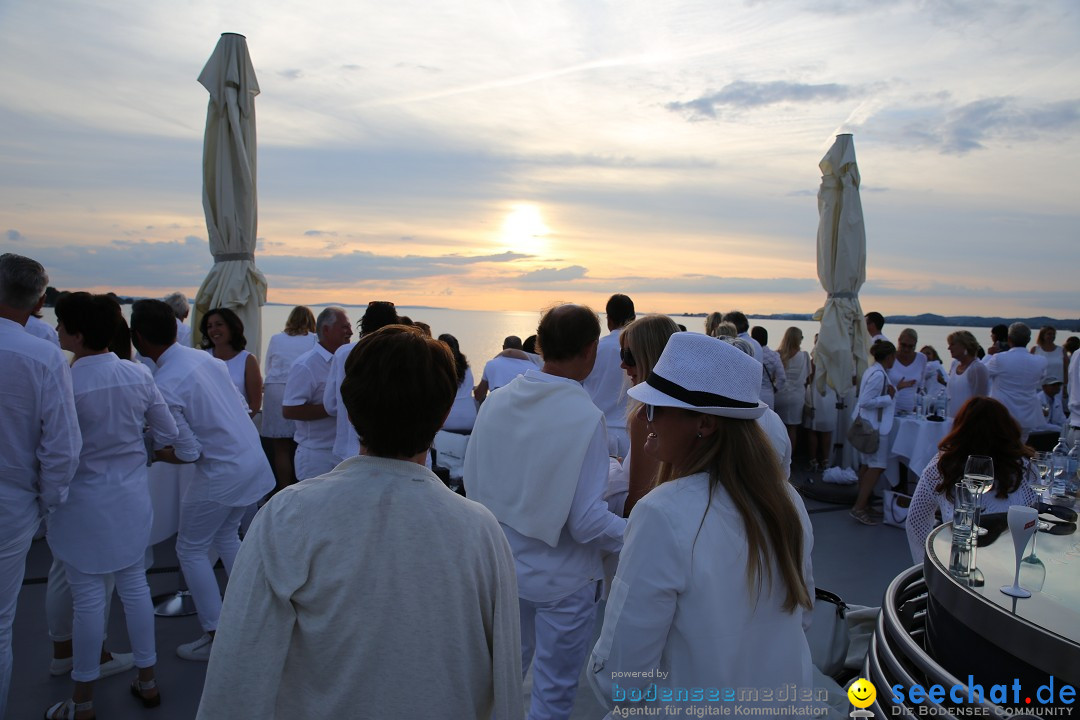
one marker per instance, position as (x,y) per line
(167,485)
(914,441)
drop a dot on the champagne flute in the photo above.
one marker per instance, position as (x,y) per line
(1022,523)
(979,476)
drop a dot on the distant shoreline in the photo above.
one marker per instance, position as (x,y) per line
(925,319)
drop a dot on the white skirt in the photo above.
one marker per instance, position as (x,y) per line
(273,424)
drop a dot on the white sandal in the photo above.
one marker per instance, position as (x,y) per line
(67,709)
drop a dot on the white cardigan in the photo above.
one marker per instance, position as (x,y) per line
(873,397)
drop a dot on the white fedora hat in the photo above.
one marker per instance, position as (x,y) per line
(700,373)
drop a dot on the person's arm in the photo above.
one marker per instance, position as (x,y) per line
(61,440)
(980,379)
(884,396)
(641,605)
(159,421)
(187,448)
(643,466)
(921,515)
(506,631)
(253,384)
(481,391)
(257,621)
(589,520)
(331,392)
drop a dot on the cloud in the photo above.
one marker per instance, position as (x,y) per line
(15,236)
(742,95)
(958,129)
(291,73)
(544,275)
(319,233)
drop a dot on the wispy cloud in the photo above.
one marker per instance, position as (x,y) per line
(958,129)
(742,95)
(554,275)
(319,233)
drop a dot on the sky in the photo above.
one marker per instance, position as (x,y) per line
(506,154)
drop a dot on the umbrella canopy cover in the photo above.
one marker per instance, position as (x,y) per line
(841,263)
(229,189)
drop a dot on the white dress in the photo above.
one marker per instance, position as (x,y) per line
(281,353)
(905,399)
(792,396)
(462,415)
(974,381)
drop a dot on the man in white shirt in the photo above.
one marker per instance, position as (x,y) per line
(215,432)
(1074,398)
(503,368)
(39,436)
(379,313)
(39,328)
(304,402)
(742,326)
(607,382)
(874,322)
(1014,377)
(181,309)
(538,460)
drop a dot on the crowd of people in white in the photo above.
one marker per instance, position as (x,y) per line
(647,466)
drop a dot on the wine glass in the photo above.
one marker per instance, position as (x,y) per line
(979,476)
(1043,462)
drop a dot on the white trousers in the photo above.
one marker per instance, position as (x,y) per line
(59,609)
(88,593)
(14,546)
(206,525)
(310,462)
(555,639)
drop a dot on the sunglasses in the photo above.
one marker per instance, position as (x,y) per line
(627,357)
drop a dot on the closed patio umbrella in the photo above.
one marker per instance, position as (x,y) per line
(841,264)
(229,197)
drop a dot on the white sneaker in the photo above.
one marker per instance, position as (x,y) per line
(199,651)
(120,662)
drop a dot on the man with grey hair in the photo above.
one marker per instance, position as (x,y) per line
(1015,377)
(304,391)
(181,309)
(39,436)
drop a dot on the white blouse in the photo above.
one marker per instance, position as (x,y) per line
(975,381)
(282,352)
(105,524)
(680,602)
(905,399)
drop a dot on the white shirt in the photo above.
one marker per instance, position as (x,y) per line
(1014,376)
(759,354)
(607,382)
(773,374)
(346,442)
(231,468)
(680,601)
(1074,390)
(500,370)
(548,573)
(905,399)
(237,367)
(306,383)
(779,438)
(282,352)
(1056,406)
(39,328)
(973,382)
(105,524)
(39,430)
(183,333)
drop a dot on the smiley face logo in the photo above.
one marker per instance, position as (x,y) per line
(862,693)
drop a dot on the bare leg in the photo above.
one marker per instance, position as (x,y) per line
(793,434)
(868,478)
(824,447)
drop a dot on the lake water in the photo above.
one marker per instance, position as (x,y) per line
(480,333)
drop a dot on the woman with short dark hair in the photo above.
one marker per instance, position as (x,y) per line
(983,426)
(104,526)
(375,572)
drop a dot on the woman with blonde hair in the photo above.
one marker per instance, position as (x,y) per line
(641,343)
(792,396)
(284,348)
(714,580)
(968,377)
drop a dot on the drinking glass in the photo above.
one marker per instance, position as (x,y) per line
(979,476)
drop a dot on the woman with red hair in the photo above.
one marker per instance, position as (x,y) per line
(983,426)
